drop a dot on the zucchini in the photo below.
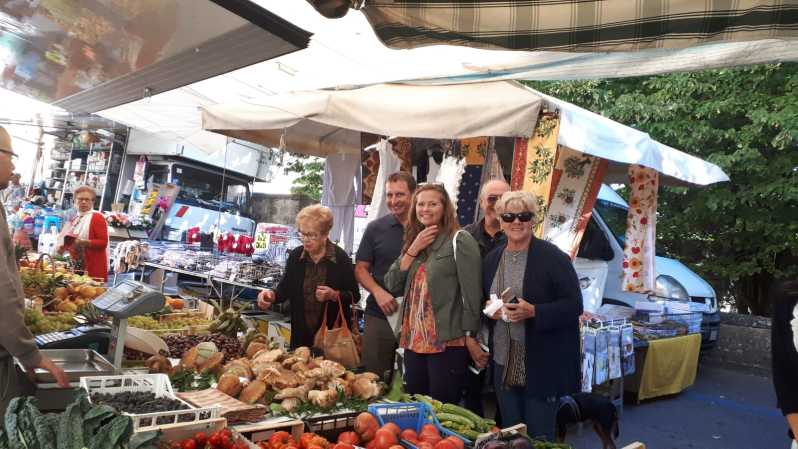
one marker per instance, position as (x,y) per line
(458,419)
(478,422)
(470,434)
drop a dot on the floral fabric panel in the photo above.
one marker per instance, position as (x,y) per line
(519,163)
(641,228)
(403,148)
(474,150)
(450,174)
(538,168)
(468,194)
(370,167)
(575,184)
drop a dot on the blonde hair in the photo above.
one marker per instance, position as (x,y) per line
(449,225)
(317,214)
(85,188)
(527,200)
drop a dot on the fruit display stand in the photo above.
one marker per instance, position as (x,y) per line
(331,425)
(178,433)
(408,415)
(260,431)
(157,384)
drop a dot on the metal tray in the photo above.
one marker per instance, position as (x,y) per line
(76,363)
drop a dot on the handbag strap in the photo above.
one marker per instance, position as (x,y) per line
(454,254)
(324,316)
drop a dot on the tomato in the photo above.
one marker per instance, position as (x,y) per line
(458,443)
(226,442)
(423,445)
(430,428)
(304,440)
(397,446)
(241,445)
(176,445)
(393,428)
(263,445)
(279,439)
(349,438)
(444,444)
(189,444)
(431,438)
(409,435)
(385,438)
(216,441)
(343,446)
(201,439)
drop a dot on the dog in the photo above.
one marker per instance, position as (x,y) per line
(597,410)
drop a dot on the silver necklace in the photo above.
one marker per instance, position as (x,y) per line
(514,255)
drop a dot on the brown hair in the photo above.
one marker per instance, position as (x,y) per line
(317,214)
(85,188)
(405,177)
(450,224)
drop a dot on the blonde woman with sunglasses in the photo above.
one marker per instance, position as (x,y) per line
(438,274)
(535,335)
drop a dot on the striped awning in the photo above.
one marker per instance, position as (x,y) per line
(578,25)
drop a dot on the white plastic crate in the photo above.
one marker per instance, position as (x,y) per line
(158,384)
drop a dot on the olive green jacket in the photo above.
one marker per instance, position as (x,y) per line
(455,289)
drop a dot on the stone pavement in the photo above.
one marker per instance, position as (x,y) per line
(724,409)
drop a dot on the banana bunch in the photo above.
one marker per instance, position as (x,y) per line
(229,322)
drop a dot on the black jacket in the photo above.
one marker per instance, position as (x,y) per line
(552,338)
(340,276)
(785,354)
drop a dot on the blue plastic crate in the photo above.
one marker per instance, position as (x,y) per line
(411,415)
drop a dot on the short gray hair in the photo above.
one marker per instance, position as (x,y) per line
(85,188)
(527,200)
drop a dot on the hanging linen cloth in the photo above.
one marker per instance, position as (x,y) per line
(533,163)
(340,175)
(389,163)
(575,185)
(639,272)
(474,151)
(450,174)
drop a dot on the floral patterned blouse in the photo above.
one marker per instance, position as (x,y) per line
(418,323)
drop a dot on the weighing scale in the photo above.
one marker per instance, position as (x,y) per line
(129,298)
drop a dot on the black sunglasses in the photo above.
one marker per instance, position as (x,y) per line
(523,217)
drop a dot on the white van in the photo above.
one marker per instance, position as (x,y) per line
(674,279)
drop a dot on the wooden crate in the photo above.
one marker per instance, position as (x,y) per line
(179,432)
(234,410)
(260,431)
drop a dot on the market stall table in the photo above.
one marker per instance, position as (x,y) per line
(664,366)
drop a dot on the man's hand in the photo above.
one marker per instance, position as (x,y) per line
(324,293)
(265,299)
(479,356)
(386,302)
(519,312)
(55,370)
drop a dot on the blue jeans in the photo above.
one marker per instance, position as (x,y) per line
(539,414)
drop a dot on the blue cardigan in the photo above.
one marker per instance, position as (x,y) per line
(553,357)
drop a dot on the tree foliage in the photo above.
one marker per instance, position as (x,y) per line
(311,176)
(741,235)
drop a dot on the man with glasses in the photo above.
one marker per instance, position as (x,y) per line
(380,246)
(488,234)
(15,338)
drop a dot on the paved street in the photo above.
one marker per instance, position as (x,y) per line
(725,409)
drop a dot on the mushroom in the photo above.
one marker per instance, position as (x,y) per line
(323,398)
(290,404)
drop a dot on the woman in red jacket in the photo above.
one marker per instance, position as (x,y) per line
(86,236)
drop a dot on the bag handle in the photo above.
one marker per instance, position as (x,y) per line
(454,255)
(340,321)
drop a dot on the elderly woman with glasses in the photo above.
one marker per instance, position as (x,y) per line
(316,273)
(535,335)
(86,236)
(438,274)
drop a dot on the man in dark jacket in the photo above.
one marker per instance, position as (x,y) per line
(15,338)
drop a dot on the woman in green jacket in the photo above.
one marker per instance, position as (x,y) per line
(443,297)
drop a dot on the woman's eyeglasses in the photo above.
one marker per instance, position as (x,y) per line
(309,236)
(523,217)
(491,199)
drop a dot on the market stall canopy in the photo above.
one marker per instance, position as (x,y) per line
(345,53)
(324,122)
(327,122)
(86,56)
(571,25)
